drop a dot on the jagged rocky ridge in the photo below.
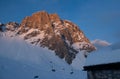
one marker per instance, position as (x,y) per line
(48,30)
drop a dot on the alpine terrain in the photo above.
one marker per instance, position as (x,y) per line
(43,46)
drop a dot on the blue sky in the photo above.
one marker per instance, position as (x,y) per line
(99,19)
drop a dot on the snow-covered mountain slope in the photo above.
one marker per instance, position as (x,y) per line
(43,46)
(22,60)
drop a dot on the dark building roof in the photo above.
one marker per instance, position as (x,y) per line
(109,66)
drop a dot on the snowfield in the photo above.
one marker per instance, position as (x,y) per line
(22,60)
(106,53)
(103,57)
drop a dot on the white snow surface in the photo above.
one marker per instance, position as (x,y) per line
(103,56)
(22,60)
(79,61)
(79,45)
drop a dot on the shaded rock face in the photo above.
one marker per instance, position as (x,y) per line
(1,27)
(48,30)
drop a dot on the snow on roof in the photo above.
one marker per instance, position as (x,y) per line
(103,56)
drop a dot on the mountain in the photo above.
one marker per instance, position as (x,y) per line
(43,42)
(62,36)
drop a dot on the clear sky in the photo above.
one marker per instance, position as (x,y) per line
(99,19)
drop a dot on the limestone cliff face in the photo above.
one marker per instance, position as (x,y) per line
(61,36)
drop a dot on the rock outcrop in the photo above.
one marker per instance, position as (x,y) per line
(12,26)
(1,26)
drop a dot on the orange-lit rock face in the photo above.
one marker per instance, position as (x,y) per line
(59,35)
(40,20)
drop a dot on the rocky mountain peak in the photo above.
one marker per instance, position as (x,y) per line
(61,36)
(54,17)
(39,20)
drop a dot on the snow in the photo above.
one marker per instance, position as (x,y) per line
(9,33)
(76,45)
(80,45)
(55,23)
(29,31)
(67,24)
(57,32)
(68,42)
(39,36)
(103,56)
(79,61)
(22,60)
(11,27)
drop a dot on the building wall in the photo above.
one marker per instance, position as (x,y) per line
(104,74)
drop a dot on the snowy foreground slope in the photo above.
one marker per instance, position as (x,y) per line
(21,60)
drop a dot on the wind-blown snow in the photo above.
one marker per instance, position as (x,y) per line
(21,60)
